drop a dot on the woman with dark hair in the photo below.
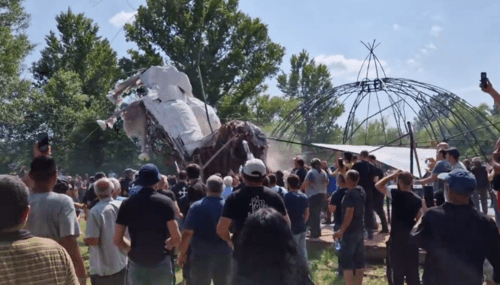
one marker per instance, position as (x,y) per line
(267,252)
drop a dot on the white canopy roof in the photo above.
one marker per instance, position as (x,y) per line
(397,157)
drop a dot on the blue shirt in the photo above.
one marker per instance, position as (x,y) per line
(332,185)
(202,218)
(296,204)
(227,192)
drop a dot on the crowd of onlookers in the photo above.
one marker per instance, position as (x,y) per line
(249,227)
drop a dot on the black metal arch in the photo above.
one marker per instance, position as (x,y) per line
(406,98)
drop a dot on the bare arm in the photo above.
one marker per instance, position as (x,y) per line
(184,246)
(382,184)
(119,238)
(429,179)
(305,185)
(349,213)
(223,228)
(332,208)
(175,235)
(71,245)
(91,241)
(493,93)
(178,210)
(306,214)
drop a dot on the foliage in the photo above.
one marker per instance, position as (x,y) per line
(233,51)
(305,82)
(14,47)
(78,48)
(375,132)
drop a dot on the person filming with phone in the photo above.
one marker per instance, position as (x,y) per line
(487,87)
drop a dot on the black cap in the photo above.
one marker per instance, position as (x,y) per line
(149,175)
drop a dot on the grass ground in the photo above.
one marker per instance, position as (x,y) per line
(323,266)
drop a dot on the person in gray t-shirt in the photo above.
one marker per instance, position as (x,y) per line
(315,185)
(53,215)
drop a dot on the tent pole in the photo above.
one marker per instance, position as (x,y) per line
(412,147)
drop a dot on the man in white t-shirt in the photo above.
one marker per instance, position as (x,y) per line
(274,187)
(453,157)
(107,262)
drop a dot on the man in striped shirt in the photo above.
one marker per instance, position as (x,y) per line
(25,259)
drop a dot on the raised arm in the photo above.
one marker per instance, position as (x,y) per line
(382,184)
(493,93)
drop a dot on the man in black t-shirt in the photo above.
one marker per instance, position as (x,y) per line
(336,202)
(299,169)
(406,210)
(367,173)
(242,203)
(352,232)
(149,217)
(180,188)
(457,237)
(378,198)
(90,198)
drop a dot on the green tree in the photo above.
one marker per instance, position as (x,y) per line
(77,47)
(305,83)
(14,47)
(76,70)
(233,51)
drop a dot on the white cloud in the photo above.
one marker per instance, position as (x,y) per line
(396,27)
(423,50)
(349,68)
(412,62)
(122,18)
(436,31)
(431,46)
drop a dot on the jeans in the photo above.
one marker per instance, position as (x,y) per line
(205,268)
(119,278)
(379,209)
(315,206)
(480,199)
(404,263)
(494,201)
(300,239)
(159,274)
(369,215)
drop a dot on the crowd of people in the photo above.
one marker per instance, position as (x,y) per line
(250,227)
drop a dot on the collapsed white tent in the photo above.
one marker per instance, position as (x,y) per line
(396,157)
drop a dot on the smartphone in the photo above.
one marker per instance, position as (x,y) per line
(484,80)
(341,163)
(43,142)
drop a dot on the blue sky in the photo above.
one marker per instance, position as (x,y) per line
(445,43)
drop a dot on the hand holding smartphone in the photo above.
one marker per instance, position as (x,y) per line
(42,146)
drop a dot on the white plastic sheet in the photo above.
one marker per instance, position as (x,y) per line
(200,113)
(397,157)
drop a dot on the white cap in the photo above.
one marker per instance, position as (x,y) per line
(255,168)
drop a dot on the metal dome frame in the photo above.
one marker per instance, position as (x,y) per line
(400,93)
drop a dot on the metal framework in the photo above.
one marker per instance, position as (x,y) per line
(441,114)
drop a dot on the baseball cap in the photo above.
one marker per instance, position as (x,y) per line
(128,170)
(148,175)
(453,151)
(255,168)
(461,181)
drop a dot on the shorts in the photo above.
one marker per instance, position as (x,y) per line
(352,254)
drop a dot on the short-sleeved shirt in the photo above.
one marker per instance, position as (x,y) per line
(367,172)
(355,198)
(146,215)
(106,258)
(296,204)
(301,173)
(33,260)
(332,185)
(457,239)
(227,191)
(336,200)
(202,219)
(405,207)
(169,193)
(318,181)
(459,165)
(481,176)
(280,190)
(180,189)
(442,166)
(52,216)
(242,203)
